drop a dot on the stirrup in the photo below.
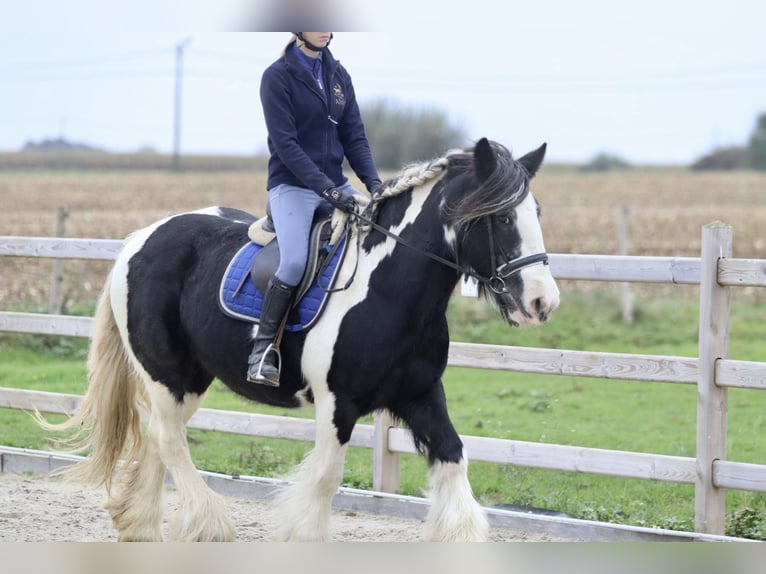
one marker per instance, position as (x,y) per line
(259,377)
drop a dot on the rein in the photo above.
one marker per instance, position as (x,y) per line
(496,282)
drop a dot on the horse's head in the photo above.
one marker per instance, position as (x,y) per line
(495,223)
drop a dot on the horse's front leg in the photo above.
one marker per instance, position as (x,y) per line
(455,515)
(302,510)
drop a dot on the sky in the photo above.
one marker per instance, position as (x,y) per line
(650,81)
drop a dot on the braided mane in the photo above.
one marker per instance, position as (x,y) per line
(503,190)
(414,175)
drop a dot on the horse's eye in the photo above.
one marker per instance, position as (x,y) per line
(506,220)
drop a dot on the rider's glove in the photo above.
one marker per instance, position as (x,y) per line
(340,199)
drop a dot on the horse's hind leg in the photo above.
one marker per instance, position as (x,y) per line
(455,515)
(135,502)
(202,515)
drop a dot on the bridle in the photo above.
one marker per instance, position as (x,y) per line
(511,266)
(502,271)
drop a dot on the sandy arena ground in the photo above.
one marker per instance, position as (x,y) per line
(41,508)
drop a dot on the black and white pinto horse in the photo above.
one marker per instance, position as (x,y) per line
(159,340)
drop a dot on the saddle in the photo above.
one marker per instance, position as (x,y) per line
(248,273)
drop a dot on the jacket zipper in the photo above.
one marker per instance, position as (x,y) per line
(318,92)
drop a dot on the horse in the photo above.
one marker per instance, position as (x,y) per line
(159,340)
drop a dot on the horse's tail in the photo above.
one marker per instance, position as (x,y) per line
(108,421)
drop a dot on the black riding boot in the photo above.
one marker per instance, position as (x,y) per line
(264,361)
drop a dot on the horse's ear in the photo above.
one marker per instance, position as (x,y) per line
(484,159)
(533,160)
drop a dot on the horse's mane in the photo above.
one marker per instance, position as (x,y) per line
(414,175)
(489,198)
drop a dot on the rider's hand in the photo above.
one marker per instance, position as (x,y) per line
(374,186)
(340,199)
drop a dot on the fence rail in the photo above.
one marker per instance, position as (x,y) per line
(713,373)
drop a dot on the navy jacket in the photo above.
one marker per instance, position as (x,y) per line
(310,132)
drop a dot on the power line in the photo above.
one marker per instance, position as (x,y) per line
(239,58)
(107,75)
(86,62)
(612,81)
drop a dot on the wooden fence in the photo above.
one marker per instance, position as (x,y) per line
(715,271)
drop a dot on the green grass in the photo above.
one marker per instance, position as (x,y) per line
(623,415)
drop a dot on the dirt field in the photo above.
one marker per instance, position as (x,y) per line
(38,508)
(667,211)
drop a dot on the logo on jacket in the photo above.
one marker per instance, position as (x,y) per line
(340,97)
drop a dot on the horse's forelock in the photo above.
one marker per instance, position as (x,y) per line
(505,188)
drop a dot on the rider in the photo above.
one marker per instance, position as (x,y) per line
(313,123)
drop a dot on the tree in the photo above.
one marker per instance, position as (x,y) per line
(401,135)
(605,162)
(752,156)
(757,144)
(727,158)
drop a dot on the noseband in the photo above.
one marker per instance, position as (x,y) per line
(501,271)
(511,266)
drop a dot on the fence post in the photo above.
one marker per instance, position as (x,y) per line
(623,248)
(56,298)
(712,400)
(385,464)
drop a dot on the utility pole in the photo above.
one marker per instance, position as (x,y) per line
(180,47)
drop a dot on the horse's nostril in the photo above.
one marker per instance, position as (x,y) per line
(541,308)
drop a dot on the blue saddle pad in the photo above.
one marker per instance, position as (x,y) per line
(239,298)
